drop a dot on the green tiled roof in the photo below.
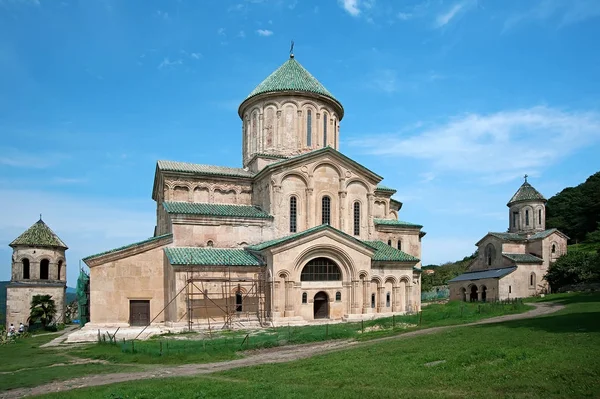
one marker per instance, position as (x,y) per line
(542,234)
(221,210)
(381,187)
(523,258)
(291,76)
(180,256)
(172,166)
(526,193)
(386,253)
(135,244)
(392,222)
(508,236)
(39,235)
(295,236)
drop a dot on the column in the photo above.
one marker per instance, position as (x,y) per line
(289,303)
(309,205)
(275,298)
(381,293)
(261,134)
(366,297)
(370,199)
(394,298)
(342,207)
(355,305)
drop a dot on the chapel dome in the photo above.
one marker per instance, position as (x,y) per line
(526,193)
(292,78)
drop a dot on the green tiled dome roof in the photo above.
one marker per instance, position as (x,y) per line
(39,235)
(291,76)
(526,193)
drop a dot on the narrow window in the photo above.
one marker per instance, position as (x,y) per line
(293,214)
(25,269)
(326,210)
(209,244)
(553,248)
(338,296)
(532,280)
(335,134)
(60,262)
(387,300)
(390,243)
(309,128)
(304,297)
(526,218)
(399,245)
(509,289)
(44,266)
(515,218)
(539,216)
(373,301)
(238,301)
(325,119)
(357,218)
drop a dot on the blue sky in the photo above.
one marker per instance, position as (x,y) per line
(451,101)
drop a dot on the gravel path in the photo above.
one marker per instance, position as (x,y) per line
(272,355)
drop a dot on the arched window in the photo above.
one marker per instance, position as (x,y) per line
(553,248)
(238,301)
(293,214)
(321,269)
(60,263)
(304,297)
(210,244)
(338,296)
(532,280)
(308,128)
(390,243)
(526,217)
(44,266)
(539,216)
(387,300)
(490,253)
(325,119)
(326,210)
(372,301)
(357,218)
(399,246)
(25,262)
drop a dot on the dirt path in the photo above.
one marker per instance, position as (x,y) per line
(272,355)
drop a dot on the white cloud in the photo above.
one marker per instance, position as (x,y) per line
(162,14)
(242,34)
(566,12)
(20,159)
(404,16)
(385,80)
(167,63)
(264,32)
(445,18)
(196,56)
(351,6)
(221,32)
(499,146)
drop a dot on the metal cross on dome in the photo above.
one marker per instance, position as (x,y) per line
(292,50)
(526,176)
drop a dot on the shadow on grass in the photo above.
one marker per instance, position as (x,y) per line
(571,298)
(584,322)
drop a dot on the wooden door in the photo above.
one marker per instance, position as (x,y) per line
(139,312)
(321,305)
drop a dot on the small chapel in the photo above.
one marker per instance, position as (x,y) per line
(513,264)
(299,234)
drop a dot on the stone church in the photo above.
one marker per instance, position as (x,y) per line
(301,232)
(513,264)
(38,268)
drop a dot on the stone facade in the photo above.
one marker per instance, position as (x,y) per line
(300,233)
(513,264)
(38,268)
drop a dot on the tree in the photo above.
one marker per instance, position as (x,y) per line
(43,310)
(575,267)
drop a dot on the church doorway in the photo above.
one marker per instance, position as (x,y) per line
(321,305)
(473,296)
(483,292)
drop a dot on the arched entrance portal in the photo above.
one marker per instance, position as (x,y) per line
(483,293)
(321,305)
(473,296)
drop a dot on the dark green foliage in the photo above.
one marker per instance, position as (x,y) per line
(576,210)
(575,267)
(444,272)
(3,285)
(42,310)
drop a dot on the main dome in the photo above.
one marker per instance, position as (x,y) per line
(292,77)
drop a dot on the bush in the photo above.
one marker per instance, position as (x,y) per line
(577,267)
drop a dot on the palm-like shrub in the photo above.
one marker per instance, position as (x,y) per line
(43,310)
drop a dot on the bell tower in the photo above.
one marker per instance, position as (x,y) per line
(527,210)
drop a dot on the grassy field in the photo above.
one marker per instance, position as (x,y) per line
(555,356)
(26,354)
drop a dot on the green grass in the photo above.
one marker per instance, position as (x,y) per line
(26,353)
(227,345)
(555,356)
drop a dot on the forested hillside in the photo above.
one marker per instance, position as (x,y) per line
(576,211)
(444,272)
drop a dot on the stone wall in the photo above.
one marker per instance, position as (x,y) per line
(18,302)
